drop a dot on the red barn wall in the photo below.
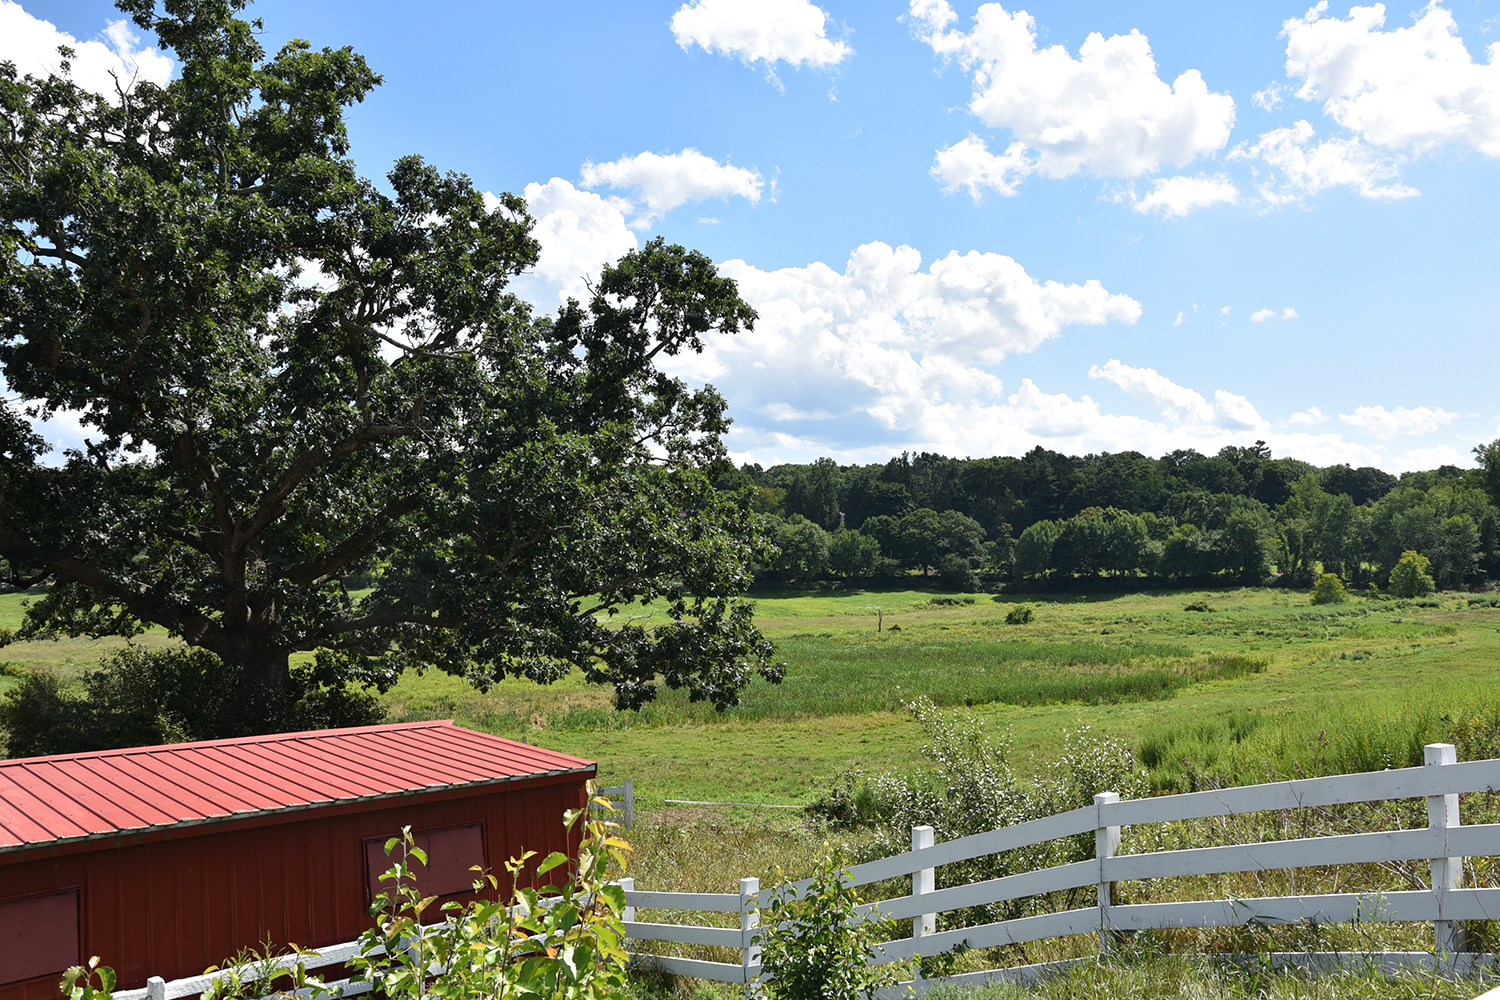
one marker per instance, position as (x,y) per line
(173,906)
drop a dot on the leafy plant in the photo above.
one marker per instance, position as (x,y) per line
(561,942)
(814,942)
(1199,605)
(78,982)
(1021,614)
(254,972)
(1329,590)
(1411,576)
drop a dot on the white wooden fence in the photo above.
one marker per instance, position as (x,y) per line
(1444,842)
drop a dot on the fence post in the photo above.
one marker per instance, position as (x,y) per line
(629,802)
(628,885)
(1447,873)
(922,882)
(156,988)
(1106,843)
(749,921)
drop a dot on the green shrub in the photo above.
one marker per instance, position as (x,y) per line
(814,944)
(1199,605)
(1021,614)
(560,942)
(1329,590)
(971,788)
(1412,576)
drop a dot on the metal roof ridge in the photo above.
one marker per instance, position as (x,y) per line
(306,734)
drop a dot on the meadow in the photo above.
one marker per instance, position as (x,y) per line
(1248,685)
(1234,693)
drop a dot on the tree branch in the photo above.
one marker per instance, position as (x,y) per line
(352,549)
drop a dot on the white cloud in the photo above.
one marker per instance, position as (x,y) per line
(664,182)
(1384,423)
(1224,311)
(31,44)
(888,347)
(579,233)
(1261,315)
(1179,404)
(763,31)
(1106,112)
(1179,319)
(1268,99)
(1431,458)
(1307,168)
(1174,197)
(1310,417)
(969,164)
(1288,313)
(1412,88)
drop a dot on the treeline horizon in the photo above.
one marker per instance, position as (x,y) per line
(1241,515)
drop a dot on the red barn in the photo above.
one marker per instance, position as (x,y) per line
(166,860)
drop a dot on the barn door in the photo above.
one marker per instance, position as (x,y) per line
(451,854)
(38,936)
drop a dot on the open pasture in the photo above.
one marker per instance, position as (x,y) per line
(1235,691)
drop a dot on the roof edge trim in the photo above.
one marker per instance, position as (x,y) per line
(33,845)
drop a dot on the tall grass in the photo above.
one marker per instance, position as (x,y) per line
(1337,735)
(855,675)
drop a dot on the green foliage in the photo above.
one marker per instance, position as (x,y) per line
(813,943)
(143,697)
(504,481)
(1329,590)
(547,941)
(853,555)
(78,981)
(1199,605)
(803,549)
(1021,614)
(1410,576)
(554,939)
(971,788)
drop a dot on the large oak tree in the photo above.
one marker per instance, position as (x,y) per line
(289,376)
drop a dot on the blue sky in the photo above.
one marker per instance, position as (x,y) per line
(977,229)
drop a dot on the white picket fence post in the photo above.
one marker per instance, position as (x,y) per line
(749,922)
(156,988)
(1447,873)
(628,885)
(1106,843)
(922,882)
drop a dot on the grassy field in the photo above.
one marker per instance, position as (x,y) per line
(1249,682)
(1261,686)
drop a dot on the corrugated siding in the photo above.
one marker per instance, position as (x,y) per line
(173,907)
(73,796)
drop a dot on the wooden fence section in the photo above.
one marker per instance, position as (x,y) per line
(1443,842)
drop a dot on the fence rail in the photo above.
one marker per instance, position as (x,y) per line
(1444,843)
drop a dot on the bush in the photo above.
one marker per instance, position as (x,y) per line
(971,789)
(142,697)
(814,944)
(562,941)
(1412,575)
(1199,605)
(1329,590)
(1021,614)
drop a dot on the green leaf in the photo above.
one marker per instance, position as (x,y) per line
(552,861)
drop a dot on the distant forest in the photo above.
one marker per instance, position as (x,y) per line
(1053,520)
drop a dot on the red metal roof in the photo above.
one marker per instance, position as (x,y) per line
(70,797)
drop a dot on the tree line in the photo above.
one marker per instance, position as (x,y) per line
(1048,518)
